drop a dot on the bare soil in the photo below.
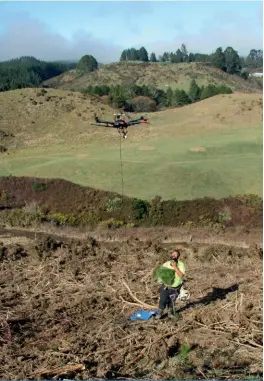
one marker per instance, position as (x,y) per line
(65,309)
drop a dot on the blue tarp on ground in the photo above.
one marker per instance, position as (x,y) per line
(143,315)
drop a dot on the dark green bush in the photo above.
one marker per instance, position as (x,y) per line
(140,207)
(39,187)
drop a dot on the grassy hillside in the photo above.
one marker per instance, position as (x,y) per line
(158,74)
(210,148)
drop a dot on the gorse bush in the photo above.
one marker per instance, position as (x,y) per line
(60,219)
(21,218)
(111,224)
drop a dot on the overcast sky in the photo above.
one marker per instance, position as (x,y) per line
(68,30)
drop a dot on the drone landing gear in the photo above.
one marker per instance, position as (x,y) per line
(124,132)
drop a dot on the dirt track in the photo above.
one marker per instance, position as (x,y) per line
(64,306)
(236,237)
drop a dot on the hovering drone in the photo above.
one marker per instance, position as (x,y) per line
(119,123)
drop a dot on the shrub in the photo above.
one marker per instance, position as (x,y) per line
(140,208)
(244,73)
(60,219)
(32,208)
(252,200)
(21,218)
(3,149)
(39,187)
(4,196)
(130,225)
(113,204)
(41,92)
(209,91)
(223,89)
(111,224)
(180,98)
(143,104)
(224,217)
(88,219)
(156,211)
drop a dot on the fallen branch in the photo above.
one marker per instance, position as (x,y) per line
(130,303)
(136,299)
(61,371)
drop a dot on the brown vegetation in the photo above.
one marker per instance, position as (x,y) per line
(154,74)
(143,104)
(65,312)
(72,204)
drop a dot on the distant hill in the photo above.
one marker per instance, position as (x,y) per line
(29,72)
(157,74)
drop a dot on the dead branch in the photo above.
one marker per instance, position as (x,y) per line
(136,299)
(60,371)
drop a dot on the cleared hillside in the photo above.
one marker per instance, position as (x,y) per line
(65,312)
(210,148)
(158,74)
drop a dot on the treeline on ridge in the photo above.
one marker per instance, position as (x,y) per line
(134,98)
(29,72)
(227,60)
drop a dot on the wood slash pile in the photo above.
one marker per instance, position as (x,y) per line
(65,312)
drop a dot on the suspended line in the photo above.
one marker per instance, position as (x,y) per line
(121,166)
(122,177)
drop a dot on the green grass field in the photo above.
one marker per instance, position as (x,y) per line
(210,148)
(230,164)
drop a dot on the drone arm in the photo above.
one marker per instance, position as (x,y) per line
(98,120)
(137,121)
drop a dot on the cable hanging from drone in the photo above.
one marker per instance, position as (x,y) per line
(119,123)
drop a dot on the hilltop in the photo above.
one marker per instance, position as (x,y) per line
(204,149)
(155,74)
